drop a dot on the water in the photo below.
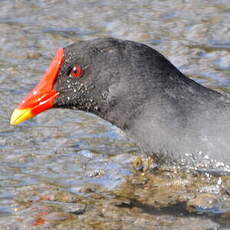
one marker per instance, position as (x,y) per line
(63,169)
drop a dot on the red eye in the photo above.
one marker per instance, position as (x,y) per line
(76,71)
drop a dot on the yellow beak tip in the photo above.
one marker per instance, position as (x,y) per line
(20,115)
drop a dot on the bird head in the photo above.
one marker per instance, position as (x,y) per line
(85,75)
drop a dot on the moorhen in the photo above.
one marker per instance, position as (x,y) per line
(137,89)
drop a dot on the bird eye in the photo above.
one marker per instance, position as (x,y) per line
(76,71)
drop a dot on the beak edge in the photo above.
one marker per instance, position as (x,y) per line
(20,115)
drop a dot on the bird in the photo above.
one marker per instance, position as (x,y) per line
(137,89)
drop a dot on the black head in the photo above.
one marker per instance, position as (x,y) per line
(113,77)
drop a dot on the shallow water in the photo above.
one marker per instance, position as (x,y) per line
(71,170)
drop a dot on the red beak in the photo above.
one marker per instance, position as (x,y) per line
(42,97)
